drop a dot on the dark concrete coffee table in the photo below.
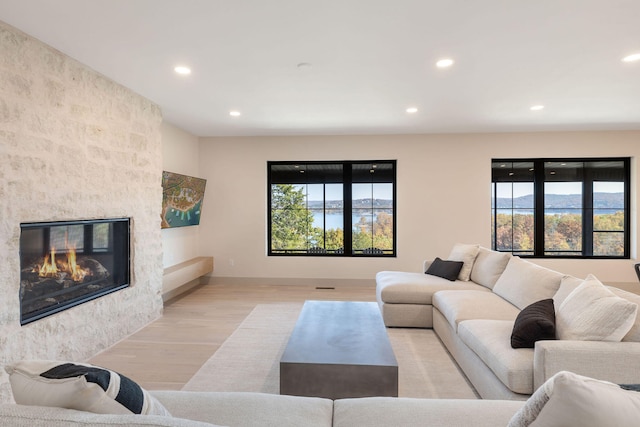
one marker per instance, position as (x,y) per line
(339,350)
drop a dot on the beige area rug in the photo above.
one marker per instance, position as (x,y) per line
(249,360)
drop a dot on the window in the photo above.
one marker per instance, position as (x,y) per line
(82,238)
(561,207)
(313,203)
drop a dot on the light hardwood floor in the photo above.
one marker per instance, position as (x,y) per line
(169,351)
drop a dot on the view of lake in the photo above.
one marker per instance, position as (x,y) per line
(335,221)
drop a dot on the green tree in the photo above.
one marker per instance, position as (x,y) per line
(514,232)
(378,235)
(608,236)
(563,232)
(334,239)
(291,221)
(383,231)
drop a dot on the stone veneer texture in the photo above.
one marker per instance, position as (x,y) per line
(74,145)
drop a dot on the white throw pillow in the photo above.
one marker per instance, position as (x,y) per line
(467,254)
(592,312)
(81,387)
(568,399)
(522,283)
(634,333)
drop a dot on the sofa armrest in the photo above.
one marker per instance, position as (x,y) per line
(425,265)
(618,362)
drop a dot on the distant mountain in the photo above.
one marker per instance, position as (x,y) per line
(566,201)
(355,204)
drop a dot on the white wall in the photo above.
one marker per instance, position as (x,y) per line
(180,153)
(443,197)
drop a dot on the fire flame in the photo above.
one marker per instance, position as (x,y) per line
(51,268)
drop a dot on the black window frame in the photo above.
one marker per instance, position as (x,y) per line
(539,179)
(347,179)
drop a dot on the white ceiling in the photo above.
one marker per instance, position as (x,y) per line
(370,60)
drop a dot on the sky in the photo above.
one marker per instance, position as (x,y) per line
(359,191)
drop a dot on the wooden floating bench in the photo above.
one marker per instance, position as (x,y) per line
(184,276)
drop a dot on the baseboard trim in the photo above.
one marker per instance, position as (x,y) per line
(289,281)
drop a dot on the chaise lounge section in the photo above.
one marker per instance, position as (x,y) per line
(406,298)
(476,315)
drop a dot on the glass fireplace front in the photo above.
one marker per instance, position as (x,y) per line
(63,264)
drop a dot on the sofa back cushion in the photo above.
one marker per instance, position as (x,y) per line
(488,267)
(522,283)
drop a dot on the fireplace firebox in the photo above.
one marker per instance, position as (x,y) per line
(66,263)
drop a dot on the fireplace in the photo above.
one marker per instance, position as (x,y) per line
(63,264)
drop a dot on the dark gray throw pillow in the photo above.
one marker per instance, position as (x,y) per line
(631,387)
(534,323)
(446,269)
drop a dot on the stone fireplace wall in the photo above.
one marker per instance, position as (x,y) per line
(74,145)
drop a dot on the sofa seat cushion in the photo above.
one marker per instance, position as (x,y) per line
(245,408)
(407,412)
(399,287)
(522,283)
(457,306)
(491,341)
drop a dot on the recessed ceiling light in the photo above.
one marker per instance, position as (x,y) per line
(537,108)
(234,113)
(412,110)
(444,63)
(182,70)
(632,58)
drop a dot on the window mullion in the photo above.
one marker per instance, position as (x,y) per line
(587,213)
(538,196)
(324,216)
(627,208)
(347,205)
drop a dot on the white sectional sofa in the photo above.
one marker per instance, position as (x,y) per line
(473,323)
(61,393)
(235,409)
(565,399)
(474,316)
